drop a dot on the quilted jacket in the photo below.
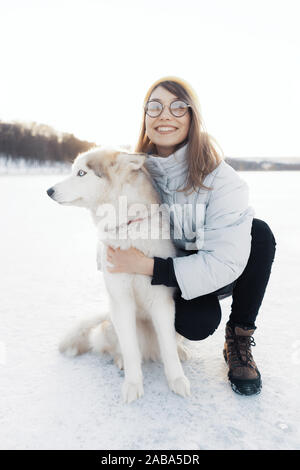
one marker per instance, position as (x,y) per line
(213,236)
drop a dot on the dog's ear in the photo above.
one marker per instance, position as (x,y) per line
(132,161)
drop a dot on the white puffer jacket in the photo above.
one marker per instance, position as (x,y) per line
(218,225)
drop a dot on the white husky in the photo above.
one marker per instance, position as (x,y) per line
(140,323)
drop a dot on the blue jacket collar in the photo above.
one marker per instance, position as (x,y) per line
(171,164)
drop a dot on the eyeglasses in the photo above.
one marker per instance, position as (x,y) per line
(178,108)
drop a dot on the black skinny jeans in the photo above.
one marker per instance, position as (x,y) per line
(198,318)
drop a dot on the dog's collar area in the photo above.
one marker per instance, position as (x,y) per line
(140,219)
(135,220)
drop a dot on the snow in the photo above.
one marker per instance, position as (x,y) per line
(21,165)
(49,282)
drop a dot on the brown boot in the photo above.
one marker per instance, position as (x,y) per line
(243,373)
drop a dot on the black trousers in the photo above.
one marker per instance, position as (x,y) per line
(198,318)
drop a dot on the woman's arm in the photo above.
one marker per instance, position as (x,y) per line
(134,261)
(163,272)
(226,245)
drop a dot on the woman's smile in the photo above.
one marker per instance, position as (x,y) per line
(165,129)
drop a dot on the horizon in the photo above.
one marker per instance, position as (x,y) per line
(83,67)
(284,159)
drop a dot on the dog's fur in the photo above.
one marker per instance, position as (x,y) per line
(140,322)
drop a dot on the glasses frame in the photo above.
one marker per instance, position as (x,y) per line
(169,106)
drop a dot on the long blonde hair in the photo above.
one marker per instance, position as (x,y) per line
(202,156)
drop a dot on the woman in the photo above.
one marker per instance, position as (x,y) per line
(235,251)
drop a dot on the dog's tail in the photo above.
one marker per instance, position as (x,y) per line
(77,340)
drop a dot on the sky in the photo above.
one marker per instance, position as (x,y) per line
(84,66)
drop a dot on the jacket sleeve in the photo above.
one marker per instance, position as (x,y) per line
(163,272)
(226,240)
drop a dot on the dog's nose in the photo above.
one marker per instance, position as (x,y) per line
(50,191)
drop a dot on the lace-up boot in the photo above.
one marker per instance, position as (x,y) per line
(243,373)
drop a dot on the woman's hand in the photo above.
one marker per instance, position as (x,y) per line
(132,261)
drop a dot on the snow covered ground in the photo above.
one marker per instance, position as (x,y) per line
(49,281)
(23,166)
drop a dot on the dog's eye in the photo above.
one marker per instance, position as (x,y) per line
(81,173)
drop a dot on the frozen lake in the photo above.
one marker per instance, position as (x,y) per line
(49,281)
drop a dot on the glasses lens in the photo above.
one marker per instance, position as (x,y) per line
(179,108)
(153,108)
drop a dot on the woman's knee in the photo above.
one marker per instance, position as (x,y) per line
(197,324)
(261,232)
(263,240)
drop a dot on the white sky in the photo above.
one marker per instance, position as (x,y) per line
(84,66)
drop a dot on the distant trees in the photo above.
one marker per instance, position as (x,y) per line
(39,142)
(261,165)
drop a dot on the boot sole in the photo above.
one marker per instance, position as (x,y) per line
(242,387)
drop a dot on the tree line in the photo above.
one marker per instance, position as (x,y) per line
(39,142)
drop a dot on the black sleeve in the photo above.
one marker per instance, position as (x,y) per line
(163,272)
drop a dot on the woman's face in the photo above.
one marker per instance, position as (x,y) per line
(166,140)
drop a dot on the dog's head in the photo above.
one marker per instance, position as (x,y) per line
(95,175)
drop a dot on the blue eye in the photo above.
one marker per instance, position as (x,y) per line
(81,173)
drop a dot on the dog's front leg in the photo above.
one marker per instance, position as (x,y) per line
(123,317)
(163,315)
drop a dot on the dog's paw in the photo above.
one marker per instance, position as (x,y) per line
(181,386)
(183,352)
(132,391)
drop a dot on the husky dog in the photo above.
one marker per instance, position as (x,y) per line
(140,322)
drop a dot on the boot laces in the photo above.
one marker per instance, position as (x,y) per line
(242,344)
